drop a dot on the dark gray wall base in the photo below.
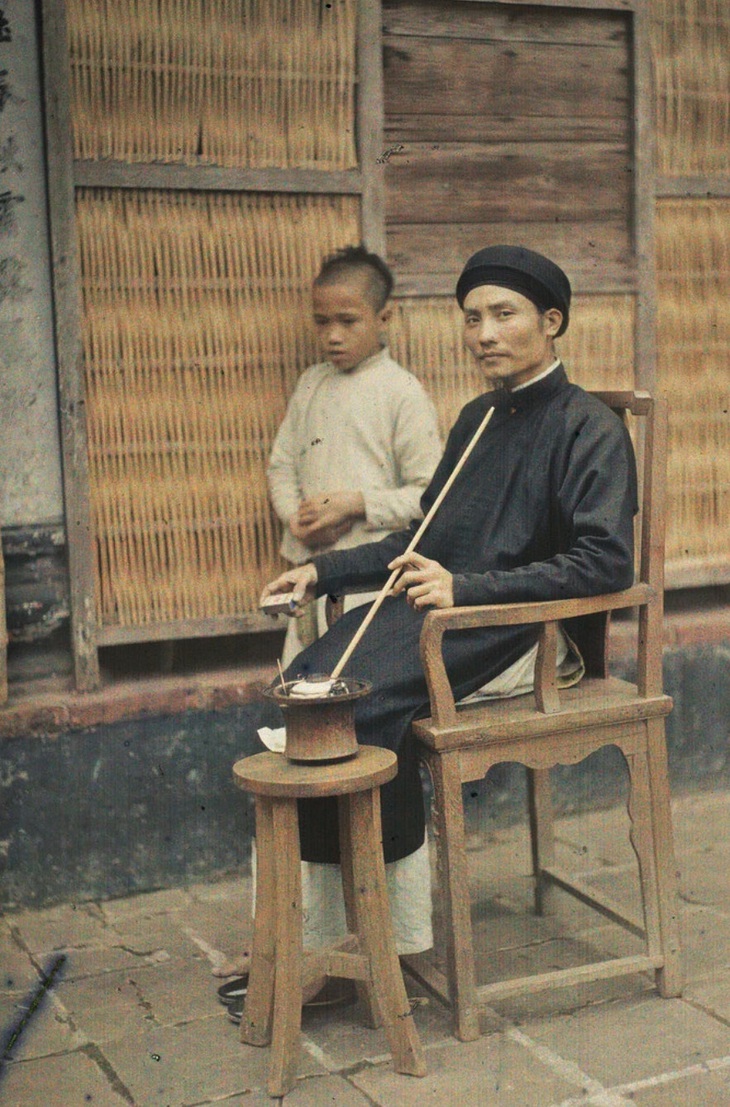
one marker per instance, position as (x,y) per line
(150,803)
(124,808)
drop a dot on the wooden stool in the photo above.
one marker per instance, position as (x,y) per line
(280,968)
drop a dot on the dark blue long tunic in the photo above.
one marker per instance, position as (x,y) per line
(542,510)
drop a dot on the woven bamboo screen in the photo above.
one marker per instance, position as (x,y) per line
(247,83)
(195,324)
(691,46)
(693,252)
(426,336)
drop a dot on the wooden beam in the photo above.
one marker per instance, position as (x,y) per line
(590,5)
(645,350)
(610,282)
(118,174)
(696,572)
(566,978)
(188,628)
(370,112)
(69,351)
(693,188)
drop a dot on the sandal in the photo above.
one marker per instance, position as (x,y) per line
(335,993)
(233,990)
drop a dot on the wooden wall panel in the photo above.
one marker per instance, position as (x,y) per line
(506,123)
(512,181)
(427,258)
(493,78)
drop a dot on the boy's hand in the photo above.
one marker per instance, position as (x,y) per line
(300,581)
(316,537)
(322,519)
(426,582)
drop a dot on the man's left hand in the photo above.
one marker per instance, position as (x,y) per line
(426,582)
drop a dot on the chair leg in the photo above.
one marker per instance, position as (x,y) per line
(362,809)
(643,839)
(669,979)
(285,1046)
(542,836)
(258,1009)
(453,879)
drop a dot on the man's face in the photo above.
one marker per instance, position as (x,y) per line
(508,336)
(348,327)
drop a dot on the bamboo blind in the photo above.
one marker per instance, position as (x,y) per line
(693,265)
(426,336)
(245,83)
(195,325)
(691,47)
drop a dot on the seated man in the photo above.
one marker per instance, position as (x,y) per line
(543,509)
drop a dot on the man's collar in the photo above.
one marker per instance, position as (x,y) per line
(539,377)
(535,393)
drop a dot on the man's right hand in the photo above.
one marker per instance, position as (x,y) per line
(300,580)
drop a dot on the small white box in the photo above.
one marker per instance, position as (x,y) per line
(281,603)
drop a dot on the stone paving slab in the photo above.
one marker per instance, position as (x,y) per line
(49,1031)
(699,1089)
(627,1041)
(17,971)
(60,928)
(193,1063)
(493,1070)
(340,1039)
(705,938)
(133,1016)
(712,995)
(146,906)
(59,1081)
(706,881)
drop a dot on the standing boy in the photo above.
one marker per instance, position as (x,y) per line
(359,442)
(358,446)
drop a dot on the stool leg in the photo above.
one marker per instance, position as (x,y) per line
(362,811)
(365,990)
(259,1006)
(289,952)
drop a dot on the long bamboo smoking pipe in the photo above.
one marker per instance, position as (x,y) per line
(377,602)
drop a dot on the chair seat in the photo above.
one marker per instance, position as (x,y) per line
(595,702)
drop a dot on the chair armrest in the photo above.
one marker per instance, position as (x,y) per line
(549,613)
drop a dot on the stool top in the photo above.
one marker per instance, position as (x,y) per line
(271,774)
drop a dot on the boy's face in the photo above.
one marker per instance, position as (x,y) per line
(510,339)
(348,327)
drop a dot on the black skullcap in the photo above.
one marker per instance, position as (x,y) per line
(534,276)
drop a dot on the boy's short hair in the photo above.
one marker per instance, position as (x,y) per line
(354,259)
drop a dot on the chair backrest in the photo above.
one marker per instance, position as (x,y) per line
(649,432)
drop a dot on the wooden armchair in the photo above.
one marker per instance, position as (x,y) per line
(460,743)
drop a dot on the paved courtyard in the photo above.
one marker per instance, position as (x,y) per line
(131,1016)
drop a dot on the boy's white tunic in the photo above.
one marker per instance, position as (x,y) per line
(372,429)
